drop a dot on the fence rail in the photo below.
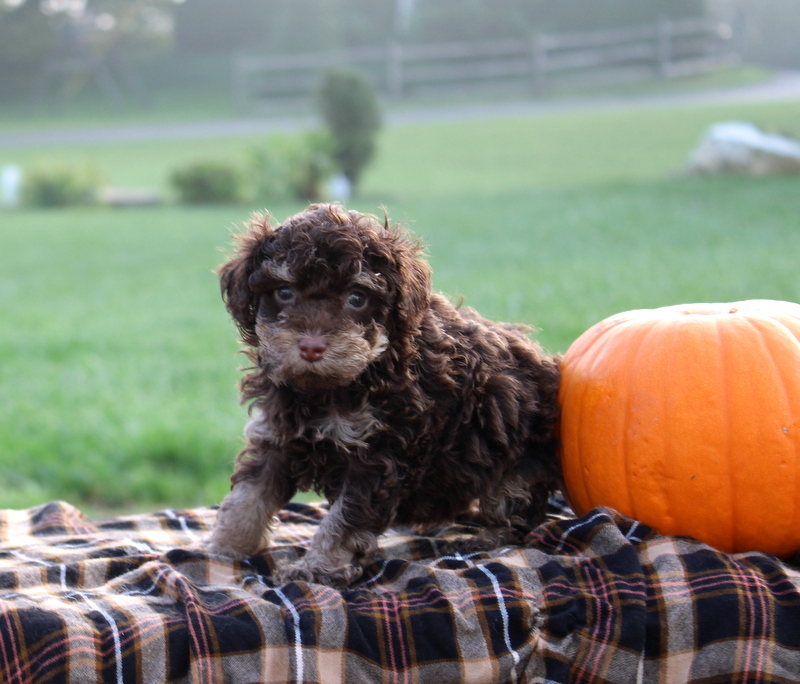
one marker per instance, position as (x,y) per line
(666,49)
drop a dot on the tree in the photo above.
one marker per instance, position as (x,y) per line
(351,111)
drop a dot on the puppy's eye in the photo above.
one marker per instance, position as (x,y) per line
(284,294)
(357,299)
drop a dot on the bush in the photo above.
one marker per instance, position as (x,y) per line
(291,167)
(60,184)
(207,182)
(349,107)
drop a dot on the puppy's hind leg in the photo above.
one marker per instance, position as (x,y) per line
(503,517)
(245,516)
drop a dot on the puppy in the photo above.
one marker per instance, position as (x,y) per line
(398,407)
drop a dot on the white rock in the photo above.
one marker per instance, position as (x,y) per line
(741,147)
(339,188)
(10,185)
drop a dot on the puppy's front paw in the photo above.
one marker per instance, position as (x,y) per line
(293,572)
(304,571)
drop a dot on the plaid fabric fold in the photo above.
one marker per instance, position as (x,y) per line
(599,599)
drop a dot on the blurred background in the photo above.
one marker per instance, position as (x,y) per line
(562,162)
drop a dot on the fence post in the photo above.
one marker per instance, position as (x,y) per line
(394,69)
(663,47)
(538,60)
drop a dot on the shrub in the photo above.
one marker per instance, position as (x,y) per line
(207,182)
(60,184)
(291,167)
(350,108)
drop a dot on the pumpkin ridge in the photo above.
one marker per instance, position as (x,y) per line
(668,399)
(634,511)
(726,407)
(786,401)
(584,493)
(597,347)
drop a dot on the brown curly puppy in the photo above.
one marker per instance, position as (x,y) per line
(398,407)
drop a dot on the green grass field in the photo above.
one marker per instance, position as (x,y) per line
(118,364)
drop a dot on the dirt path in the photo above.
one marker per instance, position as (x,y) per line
(785,86)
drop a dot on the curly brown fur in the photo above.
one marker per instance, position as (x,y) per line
(368,388)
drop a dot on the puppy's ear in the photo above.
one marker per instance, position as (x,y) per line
(411,284)
(415,289)
(234,275)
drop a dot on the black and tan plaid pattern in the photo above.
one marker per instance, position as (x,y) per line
(593,599)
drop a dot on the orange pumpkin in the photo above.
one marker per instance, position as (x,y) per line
(688,419)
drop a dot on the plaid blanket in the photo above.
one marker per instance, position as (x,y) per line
(594,599)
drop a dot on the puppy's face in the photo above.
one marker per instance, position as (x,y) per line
(318,333)
(324,295)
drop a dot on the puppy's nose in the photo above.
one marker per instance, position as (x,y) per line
(312,348)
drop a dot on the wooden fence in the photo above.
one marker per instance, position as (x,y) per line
(667,49)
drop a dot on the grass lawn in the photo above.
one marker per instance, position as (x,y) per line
(118,363)
(490,157)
